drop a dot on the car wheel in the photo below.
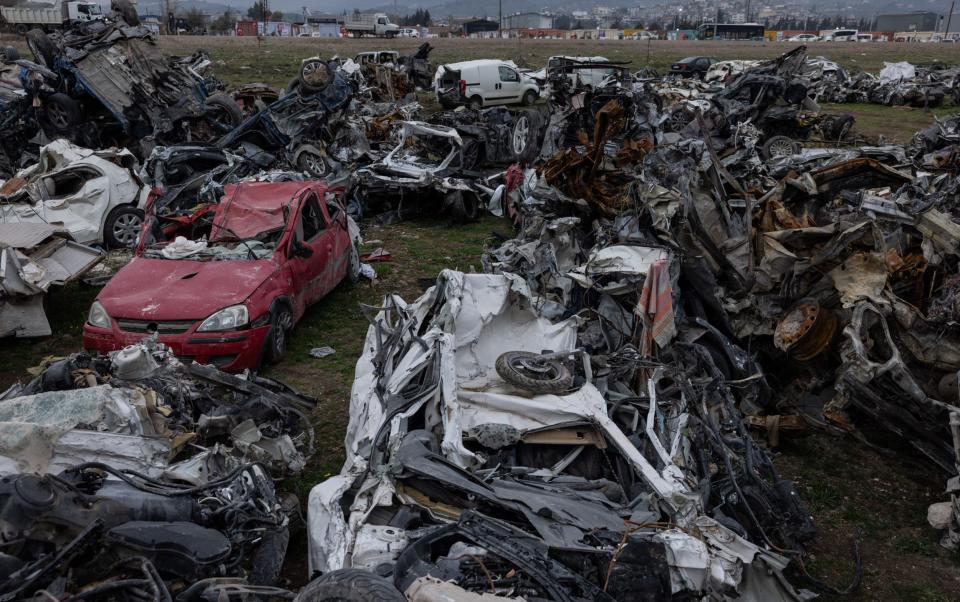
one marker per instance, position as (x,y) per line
(314,76)
(353,265)
(521,139)
(529,98)
(62,112)
(475,103)
(779,146)
(312,163)
(224,109)
(281,325)
(10,54)
(122,227)
(127,12)
(350,585)
(42,47)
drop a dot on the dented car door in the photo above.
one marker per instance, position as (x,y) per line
(310,252)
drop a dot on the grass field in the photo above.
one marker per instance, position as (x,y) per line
(848,484)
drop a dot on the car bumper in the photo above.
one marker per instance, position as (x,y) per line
(233,351)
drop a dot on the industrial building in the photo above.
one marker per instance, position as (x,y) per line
(528,21)
(915,21)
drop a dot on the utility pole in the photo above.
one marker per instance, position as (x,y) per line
(946,32)
(500,21)
(746,13)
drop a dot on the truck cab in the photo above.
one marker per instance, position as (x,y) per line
(83,11)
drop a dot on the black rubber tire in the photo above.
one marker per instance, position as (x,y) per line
(126,11)
(227,105)
(475,102)
(353,264)
(309,82)
(312,164)
(267,560)
(123,216)
(529,97)
(561,383)
(42,47)
(281,323)
(11,54)
(765,150)
(62,113)
(350,585)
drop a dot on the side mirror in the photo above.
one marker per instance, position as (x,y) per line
(301,250)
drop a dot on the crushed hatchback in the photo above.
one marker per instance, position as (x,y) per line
(230,294)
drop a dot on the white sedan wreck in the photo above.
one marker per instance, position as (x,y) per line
(96,196)
(480,464)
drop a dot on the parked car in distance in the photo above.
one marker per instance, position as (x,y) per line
(483,83)
(409,32)
(804,37)
(692,66)
(230,299)
(841,35)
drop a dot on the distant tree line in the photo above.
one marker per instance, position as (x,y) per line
(260,12)
(420,17)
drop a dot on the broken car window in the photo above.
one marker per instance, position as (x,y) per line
(311,219)
(509,75)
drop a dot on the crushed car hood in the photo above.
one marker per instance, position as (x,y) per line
(163,289)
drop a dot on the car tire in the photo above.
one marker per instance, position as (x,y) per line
(475,103)
(11,54)
(122,227)
(42,47)
(350,585)
(281,323)
(267,561)
(523,138)
(126,11)
(353,264)
(314,76)
(778,146)
(529,98)
(559,381)
(227,108)
(312,163)
(62,113)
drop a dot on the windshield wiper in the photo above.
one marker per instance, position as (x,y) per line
(250,253)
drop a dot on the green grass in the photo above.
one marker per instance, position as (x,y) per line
(896,125)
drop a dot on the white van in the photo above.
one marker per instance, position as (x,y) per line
(841,35)
(483,83)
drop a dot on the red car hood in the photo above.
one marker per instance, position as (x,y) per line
(165,289)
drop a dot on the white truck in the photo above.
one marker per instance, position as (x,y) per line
(373,24)
(48,15)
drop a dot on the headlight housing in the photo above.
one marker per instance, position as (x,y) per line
(98,316)
(228,318)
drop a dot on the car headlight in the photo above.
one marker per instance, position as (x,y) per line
(227,318)
(98,316)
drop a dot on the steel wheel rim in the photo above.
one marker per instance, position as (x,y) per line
(533,368)
(781,148)
(284,322)
(126,227)
(58,117)
(520,132)
(314,164)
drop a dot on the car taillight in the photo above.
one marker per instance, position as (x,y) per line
(463,86)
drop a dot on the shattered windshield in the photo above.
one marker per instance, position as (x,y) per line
(202,250)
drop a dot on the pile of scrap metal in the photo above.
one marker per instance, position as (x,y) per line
(113,85)
(593,473)
(135,473)
(896,84)
(34,257)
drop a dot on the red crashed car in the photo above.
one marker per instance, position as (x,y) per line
(230,294)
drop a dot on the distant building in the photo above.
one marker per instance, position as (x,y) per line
(916,21)
(528,21)
(479,26)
